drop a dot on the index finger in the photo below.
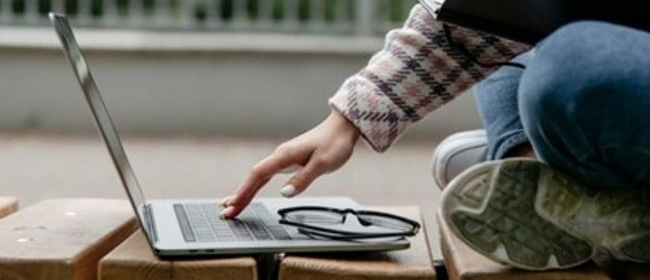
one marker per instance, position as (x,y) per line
(260,174)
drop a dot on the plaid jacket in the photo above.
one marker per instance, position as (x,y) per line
(416,72)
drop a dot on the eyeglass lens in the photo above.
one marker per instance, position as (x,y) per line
(320,217)
(386,222)
(315,217)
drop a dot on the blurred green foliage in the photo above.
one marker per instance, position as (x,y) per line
(392,10)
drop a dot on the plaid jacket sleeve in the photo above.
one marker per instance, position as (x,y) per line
(416,72)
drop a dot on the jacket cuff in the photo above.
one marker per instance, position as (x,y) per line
(379,121)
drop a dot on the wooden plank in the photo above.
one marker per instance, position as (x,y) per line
(134,260)
(638,271)
(412,263)
(8,205)
(463,263)
(62,238)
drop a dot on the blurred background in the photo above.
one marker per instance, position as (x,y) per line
(200,90)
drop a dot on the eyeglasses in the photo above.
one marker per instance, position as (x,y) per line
(318,221)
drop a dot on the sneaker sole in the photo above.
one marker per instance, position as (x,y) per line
(500,209)
(637,249)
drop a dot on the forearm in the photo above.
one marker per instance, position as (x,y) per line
(416,72)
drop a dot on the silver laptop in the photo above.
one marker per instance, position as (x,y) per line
(184,227)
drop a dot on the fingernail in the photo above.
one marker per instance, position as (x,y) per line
(227,201)
(225,213)
(288,191)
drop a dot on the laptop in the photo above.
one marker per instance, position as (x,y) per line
(530,21)
(191,227)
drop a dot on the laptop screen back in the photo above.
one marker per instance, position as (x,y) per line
(101,116)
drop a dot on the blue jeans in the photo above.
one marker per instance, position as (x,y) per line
(583,103)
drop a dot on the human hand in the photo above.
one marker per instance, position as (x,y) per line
(321,150)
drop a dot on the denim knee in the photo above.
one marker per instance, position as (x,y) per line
(578,76)
(547,93)
(583,90)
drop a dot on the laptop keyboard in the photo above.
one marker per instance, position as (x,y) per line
(200,222)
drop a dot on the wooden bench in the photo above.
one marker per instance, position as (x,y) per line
(413,263)
(8,205)
(134,260)
(62,238)
(463,263)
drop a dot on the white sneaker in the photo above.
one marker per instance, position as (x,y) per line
(525,214)
(458,152)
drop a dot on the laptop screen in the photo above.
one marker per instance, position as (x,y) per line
(102,118)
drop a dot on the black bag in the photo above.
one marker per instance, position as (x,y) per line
(529,21)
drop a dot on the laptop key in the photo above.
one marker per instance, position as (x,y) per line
(254,223)
(211,210)
(226,238)
(258,230)
(199,223)
(222,232)
(279,232)
(221,228)
(239,229)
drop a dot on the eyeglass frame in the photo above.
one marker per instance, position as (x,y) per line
(342,234)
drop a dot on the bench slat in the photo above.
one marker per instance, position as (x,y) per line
(8,205)
(638,271)
(62,238)
(134,260)
(412,263)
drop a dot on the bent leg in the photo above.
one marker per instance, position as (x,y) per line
(496,99)
(584,102)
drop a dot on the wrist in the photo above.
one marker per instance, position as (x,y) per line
(342,123)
